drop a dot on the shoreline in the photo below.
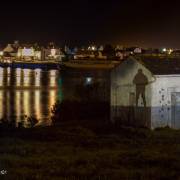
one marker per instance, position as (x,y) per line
(31,65)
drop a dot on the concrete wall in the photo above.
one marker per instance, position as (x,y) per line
(162,96)
(163,91)
(123,95)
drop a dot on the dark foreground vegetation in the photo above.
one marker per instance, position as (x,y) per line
(92,149)
(102,151)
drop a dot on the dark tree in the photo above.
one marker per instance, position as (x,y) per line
(109,51)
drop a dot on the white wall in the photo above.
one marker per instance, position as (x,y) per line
(162,89)
(122,83)
(122,86)
(158,94)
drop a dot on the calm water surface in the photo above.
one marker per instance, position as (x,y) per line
(27,92)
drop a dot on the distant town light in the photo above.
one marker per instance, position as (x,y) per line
(18,72)
(53,52)
(28,52)
(19,53)
(88,80)
(37,71)
(170,51)
(92,48)
(38,54)
(1,53)
(164,50)
(53,73)
(8,70)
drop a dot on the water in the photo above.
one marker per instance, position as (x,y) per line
(26,92)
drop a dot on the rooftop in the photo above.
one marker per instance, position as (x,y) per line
(161,66)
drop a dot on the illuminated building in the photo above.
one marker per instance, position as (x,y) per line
(83,54)
(53,54)
(146,92)
(1,53)
(28,53)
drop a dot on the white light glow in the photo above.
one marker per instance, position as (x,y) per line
(8,70)
(18,72)
(19,54)
(53,52)
(28,52)
(52,99)
(38,54)
(18,104)
(37,77)
(26,103)
(170,51)
(26,77)
(52,72)
(18,77)
(37,98)
(88,80)
(1,53)
(164,50)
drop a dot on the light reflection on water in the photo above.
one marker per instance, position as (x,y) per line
(26,92)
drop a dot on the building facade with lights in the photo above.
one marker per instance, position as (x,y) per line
(29,53)
(53,54)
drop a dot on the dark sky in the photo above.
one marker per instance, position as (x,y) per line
(145,23)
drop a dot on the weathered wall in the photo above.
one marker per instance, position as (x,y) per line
(123,95)
(162,101)
(162,97)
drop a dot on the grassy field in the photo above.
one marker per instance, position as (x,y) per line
(74,152)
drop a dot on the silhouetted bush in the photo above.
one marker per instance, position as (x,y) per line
(7,124)
(78,111)
(32,121)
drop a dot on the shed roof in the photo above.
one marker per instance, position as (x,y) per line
(161,66)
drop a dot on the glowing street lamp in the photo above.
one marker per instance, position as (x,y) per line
(164,50)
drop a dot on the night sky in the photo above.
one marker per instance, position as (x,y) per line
(148,23)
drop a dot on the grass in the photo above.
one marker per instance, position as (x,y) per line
(75,152)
